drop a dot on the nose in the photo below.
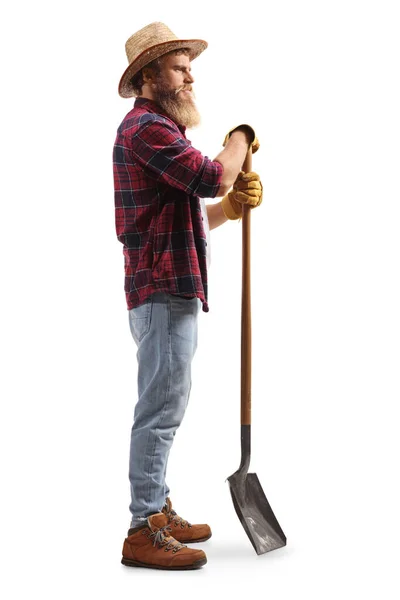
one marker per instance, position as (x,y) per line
(189,77)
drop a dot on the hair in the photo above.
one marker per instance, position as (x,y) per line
(137,80)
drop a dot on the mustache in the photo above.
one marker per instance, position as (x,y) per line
(183,87)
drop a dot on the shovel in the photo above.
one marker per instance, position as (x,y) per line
(249,500)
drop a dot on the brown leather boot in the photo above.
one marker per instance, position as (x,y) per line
(151,545)
(182,530)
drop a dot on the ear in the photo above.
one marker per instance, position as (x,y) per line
(147,74)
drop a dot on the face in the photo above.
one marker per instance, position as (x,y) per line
(176,72)
(173,90)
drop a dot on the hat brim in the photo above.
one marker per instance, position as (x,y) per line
(196,47)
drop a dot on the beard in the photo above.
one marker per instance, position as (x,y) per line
(181,108)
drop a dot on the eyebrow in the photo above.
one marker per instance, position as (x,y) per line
(182,67)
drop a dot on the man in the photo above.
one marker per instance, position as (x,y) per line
(160,184)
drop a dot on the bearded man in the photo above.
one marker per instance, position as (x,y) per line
(160,184)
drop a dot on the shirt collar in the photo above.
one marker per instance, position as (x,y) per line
(153,107)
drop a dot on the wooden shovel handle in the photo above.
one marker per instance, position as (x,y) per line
(245,399)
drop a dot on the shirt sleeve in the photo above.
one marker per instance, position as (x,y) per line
(168,157)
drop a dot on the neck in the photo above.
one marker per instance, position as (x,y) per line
(147,92)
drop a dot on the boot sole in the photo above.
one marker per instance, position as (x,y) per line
(135,563)
(196,541)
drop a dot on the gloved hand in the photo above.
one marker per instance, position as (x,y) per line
(255,144)
(247,189)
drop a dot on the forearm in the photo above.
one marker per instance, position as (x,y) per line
(232,158)
(216,215)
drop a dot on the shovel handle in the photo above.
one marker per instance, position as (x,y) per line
(245,399)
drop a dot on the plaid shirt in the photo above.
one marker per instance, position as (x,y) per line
(158,180)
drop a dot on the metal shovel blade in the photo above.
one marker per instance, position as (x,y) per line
(255,513)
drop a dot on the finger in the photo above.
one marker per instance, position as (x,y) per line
(248,193)
(246,199)
(254,205)
(251,176)
(247,185)
(248,182)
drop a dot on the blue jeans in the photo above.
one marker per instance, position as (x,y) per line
(164,328)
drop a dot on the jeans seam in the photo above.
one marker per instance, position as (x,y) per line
(169,353)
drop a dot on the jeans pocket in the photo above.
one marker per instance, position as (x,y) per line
(140,319)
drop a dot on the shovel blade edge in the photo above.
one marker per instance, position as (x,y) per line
(255,513)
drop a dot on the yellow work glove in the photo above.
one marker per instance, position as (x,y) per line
(247,189)
(255,144)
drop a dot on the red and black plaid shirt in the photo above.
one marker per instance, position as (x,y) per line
(158,179)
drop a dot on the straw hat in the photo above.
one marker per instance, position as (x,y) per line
(149,43)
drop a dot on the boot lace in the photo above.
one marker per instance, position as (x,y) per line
(163,538)
(175,518)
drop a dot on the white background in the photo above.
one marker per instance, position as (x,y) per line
(319,81)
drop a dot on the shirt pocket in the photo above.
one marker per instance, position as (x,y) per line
(140,319)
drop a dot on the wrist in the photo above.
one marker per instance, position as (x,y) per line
(245,132)
(241,137)
(241,132)
(228,208)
